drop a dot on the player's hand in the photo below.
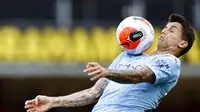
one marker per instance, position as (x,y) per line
(96,71)
(39,104)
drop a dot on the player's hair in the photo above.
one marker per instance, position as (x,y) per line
(187,31)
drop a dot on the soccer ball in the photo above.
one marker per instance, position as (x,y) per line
(135,35)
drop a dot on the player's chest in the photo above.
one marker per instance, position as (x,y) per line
(130,63)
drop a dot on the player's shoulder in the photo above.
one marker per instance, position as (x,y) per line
(123,53)
(165,58)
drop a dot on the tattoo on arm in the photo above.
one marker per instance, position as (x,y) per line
(81,98)
(134,76)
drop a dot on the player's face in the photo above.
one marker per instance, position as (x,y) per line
(170,36)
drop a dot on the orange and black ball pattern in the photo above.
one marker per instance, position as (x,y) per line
(124,38)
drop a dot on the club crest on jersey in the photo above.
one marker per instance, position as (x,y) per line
(162,64)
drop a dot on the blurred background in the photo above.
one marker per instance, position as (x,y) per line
(45,45)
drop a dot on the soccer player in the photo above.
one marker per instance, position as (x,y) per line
(131,83)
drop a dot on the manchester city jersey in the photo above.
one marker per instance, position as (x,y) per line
(142,96)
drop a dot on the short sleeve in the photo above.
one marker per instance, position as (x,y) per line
(165,67)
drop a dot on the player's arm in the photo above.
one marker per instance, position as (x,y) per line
(145,74)
(81,98)
(44,103)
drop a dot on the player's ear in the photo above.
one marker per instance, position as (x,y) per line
(183,44)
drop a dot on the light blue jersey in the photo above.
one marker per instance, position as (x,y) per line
(142,96)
